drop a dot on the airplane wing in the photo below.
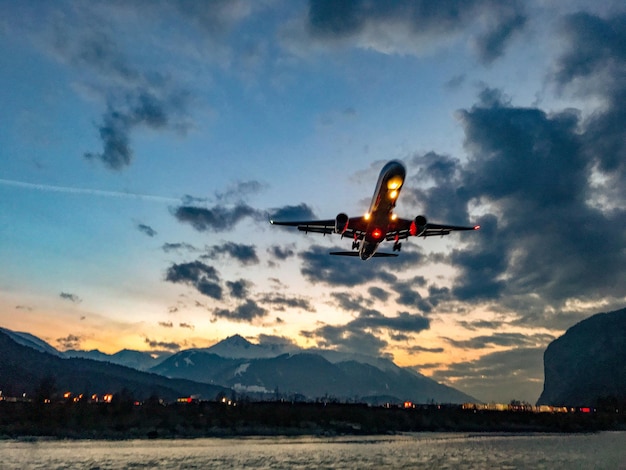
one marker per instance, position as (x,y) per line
(356,226)
(402,229)
(356,253)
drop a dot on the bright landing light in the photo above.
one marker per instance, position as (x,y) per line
(394,182)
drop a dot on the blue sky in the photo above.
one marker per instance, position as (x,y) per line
(144,143)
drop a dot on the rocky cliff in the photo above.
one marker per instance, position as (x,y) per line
(587,363)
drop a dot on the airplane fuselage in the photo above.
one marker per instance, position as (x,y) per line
(380,214)
(379,223)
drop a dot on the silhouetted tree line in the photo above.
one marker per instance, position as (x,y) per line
(123,418)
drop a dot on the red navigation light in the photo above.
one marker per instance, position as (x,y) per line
(377,233)
(476,227)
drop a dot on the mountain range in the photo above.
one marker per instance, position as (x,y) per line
(28,366)
(253,370)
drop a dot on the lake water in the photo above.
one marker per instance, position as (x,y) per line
(606,450)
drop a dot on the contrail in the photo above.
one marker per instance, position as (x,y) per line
(92,192)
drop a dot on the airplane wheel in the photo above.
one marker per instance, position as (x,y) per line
(397,246)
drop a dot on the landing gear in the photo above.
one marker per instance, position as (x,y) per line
(355,245)
(397,246)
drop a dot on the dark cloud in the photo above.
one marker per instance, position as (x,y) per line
(378,293)
(547,239)
(282,252)
(346,340)
(133,98)
(136,109)
(409,297)
(503,339)
(146,229)
(204,278)
(245,312)
(319,266)
(420,349)
(178,247)
(362,334)
(166,324)
(217,218)
(70,342)
(71,297)
(350,303)
(404,321)
(187,325)
(594,63)
(273,340)
(478,324)
(516,374)
(287,213)
(492,43)
(245,254)
(422,23)
(169,346)
(239,289)
(281,302)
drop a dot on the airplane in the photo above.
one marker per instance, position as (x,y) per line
(379,223)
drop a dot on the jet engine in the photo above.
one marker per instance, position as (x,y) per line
(418,225)
(341,223)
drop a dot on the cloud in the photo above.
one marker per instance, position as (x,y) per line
(134,98)
(287,213)
(410,297)
(239,191)
(245,254)
(70,342)
(478,324)
(319,267)
(283,342)
(204,278)
(282,252)
(178,247)
(362,334)
(416,27)
(239,289)
(404,322)
(593,63)
(533,170)
(246,312)
(187,325)
(71,297)
(492,43)
(280,302)
(499,376)
(346,340)
(146,229)
(378,293)
(503,339)
(419,349)
(166,324)
(217,218)
(167,345)
(350,303)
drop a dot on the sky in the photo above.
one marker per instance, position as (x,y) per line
(144,145)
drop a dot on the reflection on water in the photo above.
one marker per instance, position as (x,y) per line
(424,450)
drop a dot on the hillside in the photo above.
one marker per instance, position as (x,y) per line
(25,370)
